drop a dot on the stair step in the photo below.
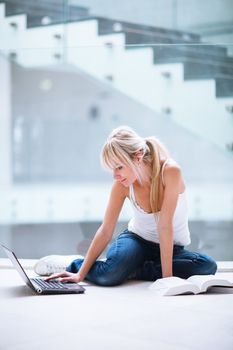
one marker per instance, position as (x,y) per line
(109,26)
(224,87)
(207,70)
(73,14)
(174,53)
(54,9)
(177,48)
(221,72)
(150,38)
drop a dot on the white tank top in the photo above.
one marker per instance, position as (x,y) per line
(146,224)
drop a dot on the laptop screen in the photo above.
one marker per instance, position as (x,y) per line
(17,265)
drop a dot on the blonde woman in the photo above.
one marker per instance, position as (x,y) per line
(153,244)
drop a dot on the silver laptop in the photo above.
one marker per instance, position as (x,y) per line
(40,286)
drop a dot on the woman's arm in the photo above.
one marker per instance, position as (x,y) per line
(102,237)
(173,183)
(104,234)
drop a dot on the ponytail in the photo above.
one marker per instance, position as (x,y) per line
(156,151)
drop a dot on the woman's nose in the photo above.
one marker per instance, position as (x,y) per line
(115,175)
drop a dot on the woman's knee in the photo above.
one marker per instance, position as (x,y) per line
(208,264)
(204,265)
(191,263)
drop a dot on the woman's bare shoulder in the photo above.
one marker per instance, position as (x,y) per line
(172,166)
(172,173)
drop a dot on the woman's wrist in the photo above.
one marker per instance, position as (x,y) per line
(80,276)
(167,275)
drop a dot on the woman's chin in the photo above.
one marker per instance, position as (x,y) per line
(125,183)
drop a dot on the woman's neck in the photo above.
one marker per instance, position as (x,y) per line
(146,180)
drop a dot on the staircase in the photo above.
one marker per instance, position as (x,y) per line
(171,72)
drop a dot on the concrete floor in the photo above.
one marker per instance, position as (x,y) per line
(125,317)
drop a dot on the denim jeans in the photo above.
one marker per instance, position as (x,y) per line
(132,257)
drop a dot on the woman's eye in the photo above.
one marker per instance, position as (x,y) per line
(119,167)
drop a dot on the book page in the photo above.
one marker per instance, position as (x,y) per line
(205,281)
(173,286)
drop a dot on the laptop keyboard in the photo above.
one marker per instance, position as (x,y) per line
(49,285)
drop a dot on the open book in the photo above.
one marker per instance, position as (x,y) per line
(195,284)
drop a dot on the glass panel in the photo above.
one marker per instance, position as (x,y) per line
(67,83)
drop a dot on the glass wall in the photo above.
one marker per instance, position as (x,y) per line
(68,76)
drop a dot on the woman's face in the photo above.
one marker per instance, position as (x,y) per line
(124,174)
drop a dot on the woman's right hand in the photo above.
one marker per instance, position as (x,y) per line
(65,277)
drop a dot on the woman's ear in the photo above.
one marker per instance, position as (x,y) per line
(138,156)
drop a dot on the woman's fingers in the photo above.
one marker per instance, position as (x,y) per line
(57,275)
(75,279)
(67,279)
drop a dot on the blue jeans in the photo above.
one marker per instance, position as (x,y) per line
(132,257)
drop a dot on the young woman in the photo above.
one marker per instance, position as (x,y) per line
(152,246)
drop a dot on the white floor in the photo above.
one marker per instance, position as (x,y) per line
(125,317)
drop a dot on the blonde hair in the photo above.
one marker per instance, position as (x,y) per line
(123,144)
